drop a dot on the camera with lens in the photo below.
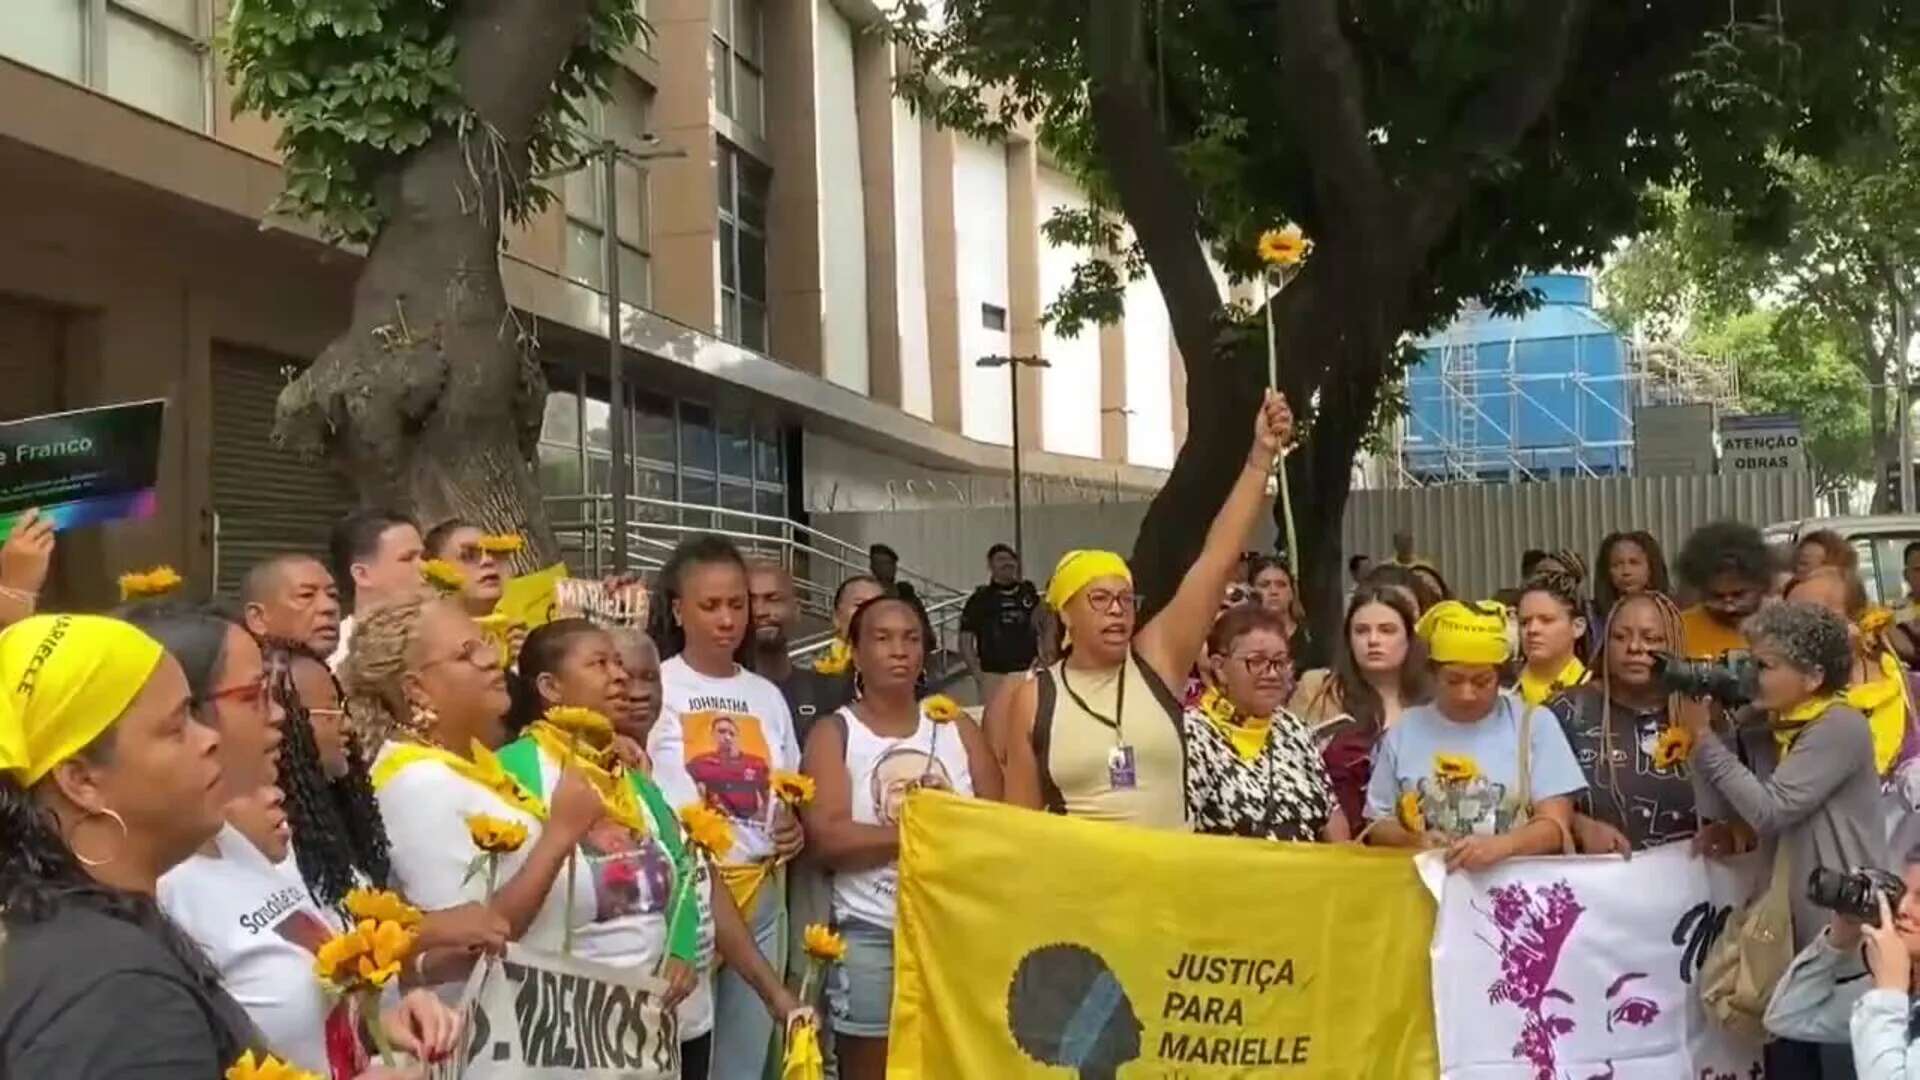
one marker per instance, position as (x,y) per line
(1853,892)
(1733,680)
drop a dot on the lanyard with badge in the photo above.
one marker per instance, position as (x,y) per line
(1122,768)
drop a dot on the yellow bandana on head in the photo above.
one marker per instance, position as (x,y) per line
(65,679)
(1078,569)
(1460,633)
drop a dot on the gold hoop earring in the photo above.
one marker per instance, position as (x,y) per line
(110,815)
(422,720)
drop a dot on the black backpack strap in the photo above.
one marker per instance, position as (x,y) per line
(1045,698)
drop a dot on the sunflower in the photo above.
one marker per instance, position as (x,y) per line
(1284,247)
(707,829)
(339,959)
(795,789)
(941,709)
(1409,812)
(587,725)
(823,944)
(444,577)
(1455,768)
(495,836)
(502,544)
(265,1068)
(1674,747)
(1875,619)
(381,905)
(836,660)
(159,581)
(365,958)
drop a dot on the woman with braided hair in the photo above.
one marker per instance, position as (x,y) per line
(1622,730)
(1553,620)
(428,697)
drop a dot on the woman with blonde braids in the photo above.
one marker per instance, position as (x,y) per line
(1621,727)
(429,698)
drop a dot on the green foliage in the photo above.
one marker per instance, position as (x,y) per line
(356,85)
(1789,367)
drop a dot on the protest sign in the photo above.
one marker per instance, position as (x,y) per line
(1028,942)
(1585,968)
(81,467)
(530,600)
(534,1016)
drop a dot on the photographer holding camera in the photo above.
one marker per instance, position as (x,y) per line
(1797,768)
(1854,982)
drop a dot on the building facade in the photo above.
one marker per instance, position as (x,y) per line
(809,272)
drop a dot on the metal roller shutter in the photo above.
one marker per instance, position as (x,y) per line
(267,500)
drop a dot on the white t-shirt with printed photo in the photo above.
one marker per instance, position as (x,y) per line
(719,742)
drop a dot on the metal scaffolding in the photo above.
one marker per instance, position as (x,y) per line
(1475,435)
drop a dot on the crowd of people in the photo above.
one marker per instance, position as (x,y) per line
(196,798)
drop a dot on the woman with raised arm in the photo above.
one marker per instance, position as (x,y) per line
(1097,735)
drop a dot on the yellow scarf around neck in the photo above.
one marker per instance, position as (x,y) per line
(601,768)
(1536,690)
(1246,734)
(1788,727)
(483,769)
(1884,700)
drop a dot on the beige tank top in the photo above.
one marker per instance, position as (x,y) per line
(1080,748)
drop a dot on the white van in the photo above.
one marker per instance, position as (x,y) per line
(1881,540)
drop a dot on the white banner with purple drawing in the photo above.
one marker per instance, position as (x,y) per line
(1584,969)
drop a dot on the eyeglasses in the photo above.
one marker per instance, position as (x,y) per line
(336,716)
(481,653)
(1265,665)
(1111,603)
(250,693)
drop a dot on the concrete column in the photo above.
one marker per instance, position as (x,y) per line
(1024,302)
(873,70)
(795,298)
(1113,391)
(937,148)
(686,224)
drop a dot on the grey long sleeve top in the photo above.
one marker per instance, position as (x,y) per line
(1822,801)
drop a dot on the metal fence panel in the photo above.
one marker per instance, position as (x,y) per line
(1475,533)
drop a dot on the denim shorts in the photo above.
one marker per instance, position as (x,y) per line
(860,986)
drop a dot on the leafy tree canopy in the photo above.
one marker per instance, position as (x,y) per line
(358,84)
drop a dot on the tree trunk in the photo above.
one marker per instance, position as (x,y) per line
(431,399)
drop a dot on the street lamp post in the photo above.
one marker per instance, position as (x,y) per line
(610,153)
(1013,364)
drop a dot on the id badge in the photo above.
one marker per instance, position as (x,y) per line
(1121,775)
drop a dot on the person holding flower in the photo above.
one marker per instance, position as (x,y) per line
(1476,772)
(1624,733)
(1097,735)
(723,733)
(642,895)
(865,761)
(425,690)
(1252,767)
(480,558)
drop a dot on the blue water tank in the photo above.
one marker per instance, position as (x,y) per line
(1546,395)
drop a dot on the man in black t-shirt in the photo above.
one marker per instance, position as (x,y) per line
(996,627)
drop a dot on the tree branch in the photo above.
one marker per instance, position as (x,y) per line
(509,53)
(1495,121)
(1154,194)
(1327,106)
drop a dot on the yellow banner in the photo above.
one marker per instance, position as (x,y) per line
(1029,943)
(529,599)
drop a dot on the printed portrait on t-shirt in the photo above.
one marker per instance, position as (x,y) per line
(305,929)
(631,875)
(899,773)
(728,760)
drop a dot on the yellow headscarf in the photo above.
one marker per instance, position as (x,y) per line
(1077,569)
(1460,633)
(65,679)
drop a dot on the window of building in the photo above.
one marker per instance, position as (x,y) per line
(625,116)
(743,183)
(737,80)
(153,54)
